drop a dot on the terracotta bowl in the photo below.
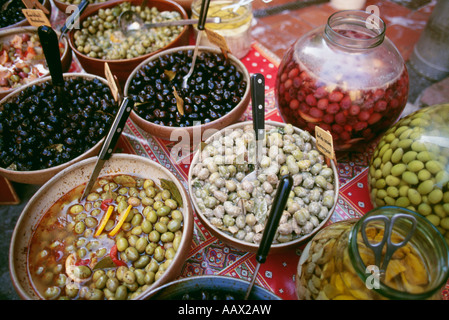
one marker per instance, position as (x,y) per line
(39,177)
(186,4)
(68,179)
(241,244)
(66,57)
(62,6)
(171,133)
(123,67)
(24,22)
(213,285)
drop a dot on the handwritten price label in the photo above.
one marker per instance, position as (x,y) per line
(324,142)
(36,17)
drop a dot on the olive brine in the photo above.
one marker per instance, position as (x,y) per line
(214,89)
(40,128)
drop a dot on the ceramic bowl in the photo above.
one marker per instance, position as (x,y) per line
(66,57)
(178,133)
(62,6)
(225,236)
(123,67)
(76,175)
(220,286)
(39,177)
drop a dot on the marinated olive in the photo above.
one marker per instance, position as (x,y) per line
(142,250)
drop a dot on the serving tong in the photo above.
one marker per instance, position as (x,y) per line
(391,247)
(277,208)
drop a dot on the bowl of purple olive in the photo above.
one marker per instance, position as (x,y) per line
(216,94)
(44,128)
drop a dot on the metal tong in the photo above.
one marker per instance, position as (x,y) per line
(386,239)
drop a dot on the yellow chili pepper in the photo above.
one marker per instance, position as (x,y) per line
(104,221)
(121,221)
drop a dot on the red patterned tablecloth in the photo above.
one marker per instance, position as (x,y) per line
(208,255)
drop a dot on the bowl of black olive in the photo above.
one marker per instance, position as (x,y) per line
(44,129)
(11,14)
(217,93)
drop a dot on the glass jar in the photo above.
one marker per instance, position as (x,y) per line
(235,25)
(410,166)
(337,264)
(346,77)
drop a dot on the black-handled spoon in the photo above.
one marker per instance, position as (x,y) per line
(277,208)
(203,14)
(50,45)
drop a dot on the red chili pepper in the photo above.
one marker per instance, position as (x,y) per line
(84,262)
(115,259)
(105,204)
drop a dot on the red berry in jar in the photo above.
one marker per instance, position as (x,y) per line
(346,77)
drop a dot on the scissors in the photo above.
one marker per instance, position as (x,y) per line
(391,247)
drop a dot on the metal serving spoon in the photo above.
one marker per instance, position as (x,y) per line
(201,23)
(130,21)
(277,208)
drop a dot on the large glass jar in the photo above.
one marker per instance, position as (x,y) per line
(346,77)
(410,166)
(235,26)
(338,265)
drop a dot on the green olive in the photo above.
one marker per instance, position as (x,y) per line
(122,244)
(132,253)
(121,293)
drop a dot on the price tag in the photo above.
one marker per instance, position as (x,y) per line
(111,81)
(35,4)
(218,40)
(324,142)
(36,17)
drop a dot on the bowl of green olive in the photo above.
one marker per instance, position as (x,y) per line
(235,209)
(100,39)
(132,233)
